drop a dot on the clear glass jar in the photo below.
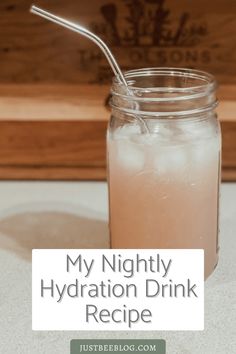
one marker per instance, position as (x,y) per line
(164,183)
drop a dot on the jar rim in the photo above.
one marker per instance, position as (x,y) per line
(208,80)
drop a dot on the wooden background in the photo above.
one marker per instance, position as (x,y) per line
(54,84)
(33,50)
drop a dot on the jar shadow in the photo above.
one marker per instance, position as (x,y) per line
(22,232)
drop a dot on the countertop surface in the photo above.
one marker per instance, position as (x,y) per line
(74,215)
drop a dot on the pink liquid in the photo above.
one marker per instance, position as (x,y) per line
(164,191)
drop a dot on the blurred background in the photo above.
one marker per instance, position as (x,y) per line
(54,84)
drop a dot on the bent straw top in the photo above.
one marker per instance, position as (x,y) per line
(79,29)
(93,37)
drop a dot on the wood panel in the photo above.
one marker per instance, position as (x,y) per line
(53,102)
(141,33)
(229,144)
(62,173)
(71,143)
(59,132)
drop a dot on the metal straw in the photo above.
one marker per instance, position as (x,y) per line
(93,37)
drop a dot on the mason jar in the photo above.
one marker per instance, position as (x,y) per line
(164,162)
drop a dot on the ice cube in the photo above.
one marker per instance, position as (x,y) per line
(144,139)
(198,153)
(127,131)
(170,159)
(130,155)
(205,151)
(165,133)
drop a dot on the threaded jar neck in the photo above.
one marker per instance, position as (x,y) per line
(165,92)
